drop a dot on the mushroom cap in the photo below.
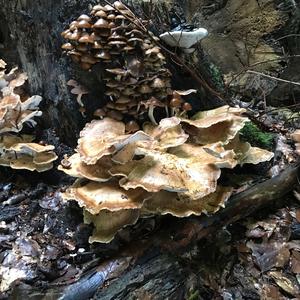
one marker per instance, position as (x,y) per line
(98,138)
(84,24)
(82,47)
(86,38)
(103,55)
(84,18)
(73,25)
(100,112)
(117,43)
(175,102)
(183,39)
(111,17)
(107,224)
(85,66)
(168,203)
(158,83)
(67,46)
(98,196)
(109,7)
(191,177)
(116,36)
(132,126)
(152,102)
(101,14)
(115,115)
(117,71)
(101,23)
(187,106)
(75,53)
(98,7)
(123,100)
(145,89)
(154,50)
(65,32)
(74,36)
(119,5)
(86,58)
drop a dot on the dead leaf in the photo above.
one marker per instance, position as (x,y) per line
(285,283)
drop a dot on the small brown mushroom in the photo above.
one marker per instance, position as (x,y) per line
(103,55)
(100,112)
(132,126)
(145,89)
(75,53)
(101,14)
(117,43)
(86,38)
(101,23)
(98,7)
(85,18)
(108,8)
(96,36)
(84,24)
(117,71)
(74,25)
(115,115)
(75,36)
(123,100)
(187,106)
(119,5)
(88,59)
(85,66)
(151,104)
(175,102)
(82,48)
(111,17)
(65,32)
(67,46)
(158,83)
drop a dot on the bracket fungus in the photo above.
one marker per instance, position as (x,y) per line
(21,153)
(169,168)
(184,39)
(16,109)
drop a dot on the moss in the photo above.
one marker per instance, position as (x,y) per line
(194,295)
(216,76)
(252,134)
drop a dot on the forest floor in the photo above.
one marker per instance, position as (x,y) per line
(44,247)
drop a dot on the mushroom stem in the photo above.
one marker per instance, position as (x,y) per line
(150,114)
(173,111)
(167,111)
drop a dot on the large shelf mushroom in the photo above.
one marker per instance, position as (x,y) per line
(167,168)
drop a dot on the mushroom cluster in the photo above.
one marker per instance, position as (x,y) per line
(16,109)
(169,168)
(136,77)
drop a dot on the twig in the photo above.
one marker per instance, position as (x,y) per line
(274,78)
